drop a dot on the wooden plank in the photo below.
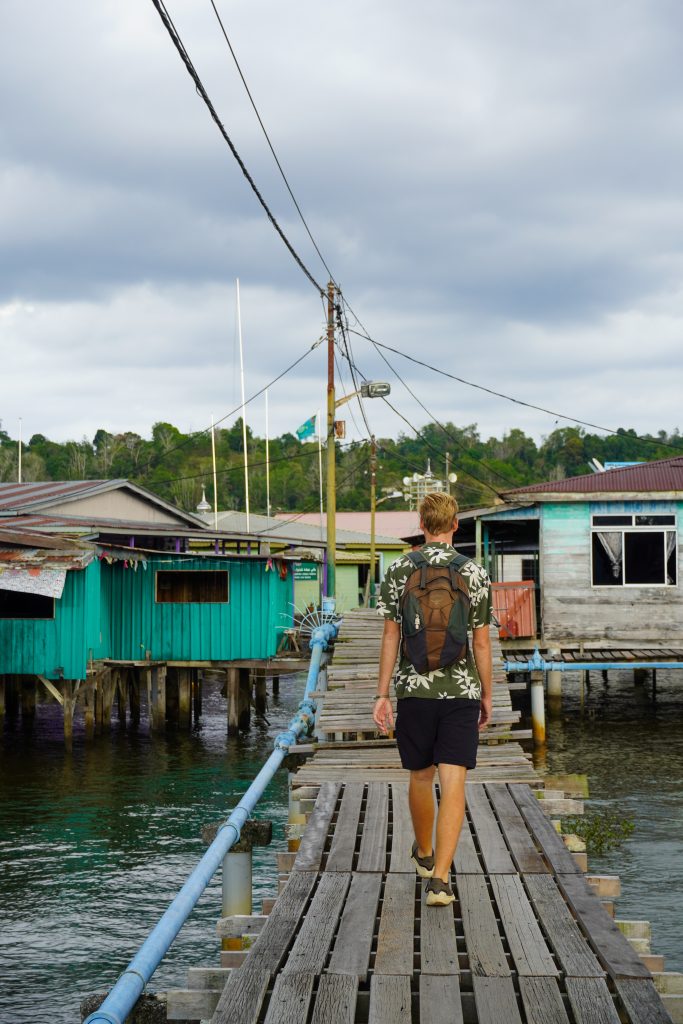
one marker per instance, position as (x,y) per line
(495,1000)
(466,861)
(314,938)
(591,1001)
(396,927)
(642,1001)
(483,942)
(389,999)
(438,946)
(310,852)
(576,957)
(614,950)
(524,853)
(185,1004)
(335,1002)
(346,830)
(242,997)
(373,844)
(402,830)
(491,842)
(543,1001)
(554,849)
(440,1001)
(272,942)
(525,938)
(290,999)
(351,954)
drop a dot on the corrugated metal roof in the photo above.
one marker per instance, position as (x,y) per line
(16,495)
(293,530)
(395,524)
(45,558)
(650,477)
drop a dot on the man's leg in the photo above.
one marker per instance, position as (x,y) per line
(450,817)
(421,800)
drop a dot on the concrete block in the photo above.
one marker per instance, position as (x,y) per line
(640,945)
(571,785)
(575,844)
(207,977)
(634,929)
(267,905)
(232,958)
(554,807)
(605,885)
(237,925)
(668,981)
(608,906)
(674,1007)
(188,1004)
(582,860)
(653,962)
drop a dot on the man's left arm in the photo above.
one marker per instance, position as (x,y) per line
(483,659)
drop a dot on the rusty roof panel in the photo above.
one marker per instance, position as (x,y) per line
(665,475)
(16,495)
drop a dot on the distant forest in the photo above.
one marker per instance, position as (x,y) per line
(176,465)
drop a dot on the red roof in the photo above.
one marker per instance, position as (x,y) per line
(649,477)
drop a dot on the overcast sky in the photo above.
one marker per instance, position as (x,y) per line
(496,185)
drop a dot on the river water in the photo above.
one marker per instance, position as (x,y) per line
(95,843)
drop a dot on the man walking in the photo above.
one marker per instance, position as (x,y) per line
(439,710)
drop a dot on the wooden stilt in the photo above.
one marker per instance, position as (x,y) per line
(639,676)
(134,680)
(28,701)
(276,685)
(11,697)
(232,689)
(3,684)
(239,702)
(89,710)
(184,698)
(260,693)
(158,695)
(172,696)
(197,685)
(122,696)
(108,691)
(70,688)
(605,677)
(654,683)
(98,698)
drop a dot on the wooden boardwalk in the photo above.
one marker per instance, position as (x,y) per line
(350,938)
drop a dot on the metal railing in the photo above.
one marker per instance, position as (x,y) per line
(131,984)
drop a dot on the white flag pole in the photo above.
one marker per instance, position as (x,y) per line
(267,461)
(244,412)
(215,486)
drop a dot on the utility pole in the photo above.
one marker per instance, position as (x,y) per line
(448,472)
(373,506)
(331,450)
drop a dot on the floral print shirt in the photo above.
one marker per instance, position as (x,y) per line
(460,679)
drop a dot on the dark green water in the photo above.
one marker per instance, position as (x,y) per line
(93,845)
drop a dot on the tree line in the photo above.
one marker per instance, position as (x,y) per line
(177,466)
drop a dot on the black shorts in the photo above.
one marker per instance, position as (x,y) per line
(436,730)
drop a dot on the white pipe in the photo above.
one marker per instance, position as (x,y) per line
(267,461)
(244,412)
(320,467)
(19,459)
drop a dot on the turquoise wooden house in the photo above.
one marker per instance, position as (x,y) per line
(607,550)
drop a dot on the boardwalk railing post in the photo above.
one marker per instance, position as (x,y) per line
(537,708)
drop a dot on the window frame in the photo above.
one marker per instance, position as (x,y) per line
(664,529)
(189,572)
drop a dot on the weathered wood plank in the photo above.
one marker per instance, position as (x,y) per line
(397,926)
(484,945)
(591,1001)
(310,852)
(291,999)
(642,1001)
(495,1000)
(343,846)
(440,1000)
(402,830)
(466,861)
(550,842)
(438,946)
(269,948)
(542,1001)
(389,999)
(335,1002)
(491,842)
(314,938)
(242,997)
(614,950)
(576,957)
(525,938)
(524,853)
(373,844)
(351,954)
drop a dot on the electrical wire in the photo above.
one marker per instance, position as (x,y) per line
(194,75)
(270,144)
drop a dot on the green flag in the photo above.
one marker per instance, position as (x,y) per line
(306,429)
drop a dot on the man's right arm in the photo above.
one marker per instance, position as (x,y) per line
(483,659)
(383,713)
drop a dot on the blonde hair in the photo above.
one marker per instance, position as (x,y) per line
(437,512)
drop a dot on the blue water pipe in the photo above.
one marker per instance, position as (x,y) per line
(131,984)
(536,663)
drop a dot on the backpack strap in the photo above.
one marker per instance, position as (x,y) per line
(420,562)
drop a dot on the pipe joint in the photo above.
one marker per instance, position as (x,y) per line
(285,740)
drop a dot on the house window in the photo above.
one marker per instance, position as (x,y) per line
(192,586)
(14,604)
(634,551)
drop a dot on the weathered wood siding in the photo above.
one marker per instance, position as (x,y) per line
(573,609)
